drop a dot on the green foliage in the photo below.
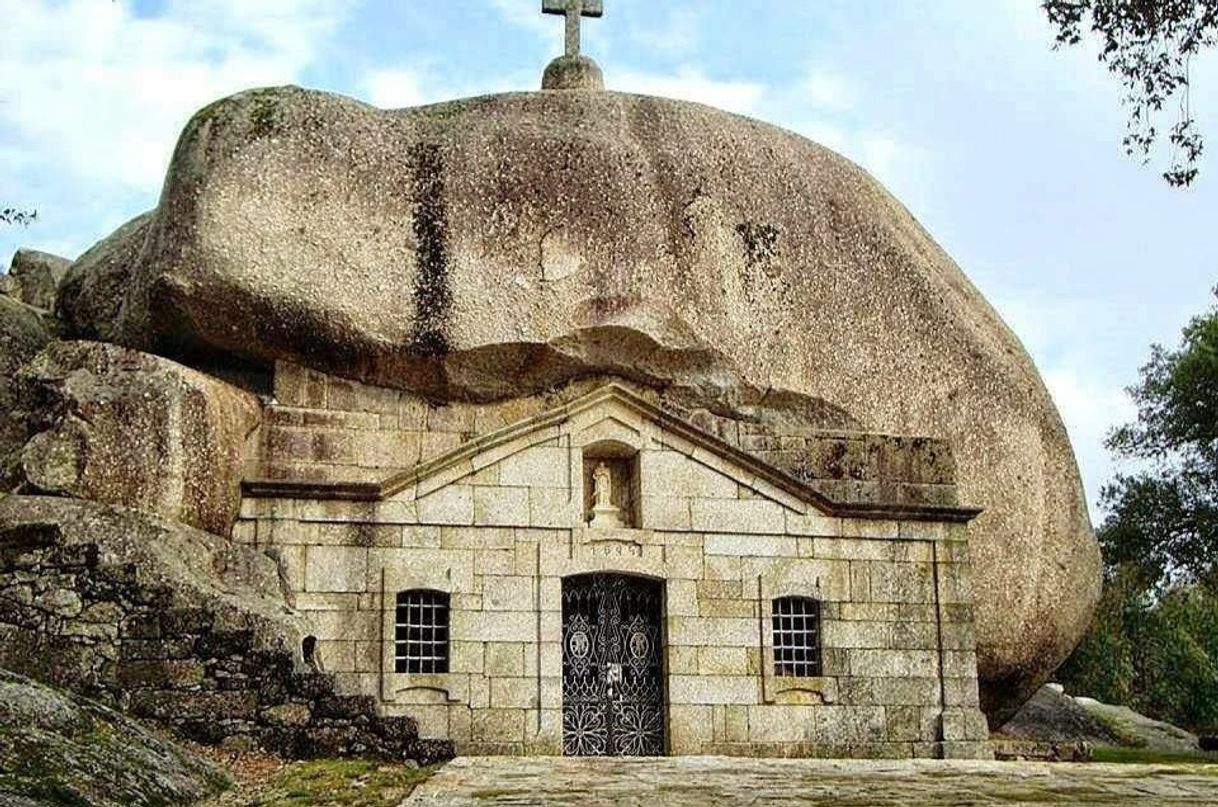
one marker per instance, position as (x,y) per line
(347,782)
(1142,756)
(1149,45)
(1158,656)
(1154,643)
(11,215)
(1164,520)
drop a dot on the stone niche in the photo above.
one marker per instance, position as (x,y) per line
(611,485)
(721,606)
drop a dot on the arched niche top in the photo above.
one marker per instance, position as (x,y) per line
(610,449)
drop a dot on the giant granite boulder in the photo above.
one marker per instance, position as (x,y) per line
(123,427)
(499,245)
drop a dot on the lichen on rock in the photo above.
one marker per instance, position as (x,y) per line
(58,748)
(122,427)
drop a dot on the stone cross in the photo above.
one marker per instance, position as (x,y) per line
(573,10)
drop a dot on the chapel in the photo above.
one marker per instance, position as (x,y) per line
(565,422)
(602,569)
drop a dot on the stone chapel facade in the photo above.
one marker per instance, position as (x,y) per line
(588,572)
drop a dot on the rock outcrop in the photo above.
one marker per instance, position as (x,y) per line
(33,277)
(23,332)
(123,427)
(495,246)
(58,748)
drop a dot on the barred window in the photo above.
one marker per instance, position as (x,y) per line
(796,636)
(421,632)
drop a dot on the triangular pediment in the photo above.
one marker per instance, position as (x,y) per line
(610,414)
(676,460)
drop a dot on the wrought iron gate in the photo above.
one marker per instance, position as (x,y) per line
(612,678)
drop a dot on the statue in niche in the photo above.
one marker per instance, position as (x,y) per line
(605,514)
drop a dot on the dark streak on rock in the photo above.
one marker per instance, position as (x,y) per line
(760,242)
(432,293)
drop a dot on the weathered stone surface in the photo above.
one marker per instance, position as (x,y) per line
(57,748)
(130,428)
(494,246)
(725,782)
(34,277)
(92,292)
(573,73)
(23,332)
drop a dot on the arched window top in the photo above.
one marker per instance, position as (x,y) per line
(422,594)
(421,631)
(796,625)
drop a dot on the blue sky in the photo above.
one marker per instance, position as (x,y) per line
(1007,151)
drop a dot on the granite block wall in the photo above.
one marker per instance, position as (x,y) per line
(500,526)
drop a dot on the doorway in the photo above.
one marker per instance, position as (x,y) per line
(612,666)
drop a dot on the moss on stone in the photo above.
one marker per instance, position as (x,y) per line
(60,749)
(339,782)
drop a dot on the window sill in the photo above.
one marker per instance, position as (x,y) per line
(424,687)
(800,689)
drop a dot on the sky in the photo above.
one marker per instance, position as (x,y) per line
(1007,150)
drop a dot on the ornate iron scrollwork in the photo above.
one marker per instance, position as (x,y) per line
(612,686)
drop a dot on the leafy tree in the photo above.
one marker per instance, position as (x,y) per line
(1164,519)
(1154,642)
(1149,44)
(11,215)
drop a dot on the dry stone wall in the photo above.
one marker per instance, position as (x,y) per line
(86,605)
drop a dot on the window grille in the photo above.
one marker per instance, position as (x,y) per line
(421,632)
(796,637)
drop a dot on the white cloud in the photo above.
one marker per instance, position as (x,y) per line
(676,35)
(394,88)
(100,93)
(526,14)
(691,84)
(828,90)
(1090,407)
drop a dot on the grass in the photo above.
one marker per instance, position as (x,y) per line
(331,783)
(1145,756)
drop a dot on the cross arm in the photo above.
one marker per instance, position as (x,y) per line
(586,8)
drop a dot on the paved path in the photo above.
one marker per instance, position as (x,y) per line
(718,781)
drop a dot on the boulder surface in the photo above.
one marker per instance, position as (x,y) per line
(33,277)
(57,748)
(495,246)
(122,427)
(23,332)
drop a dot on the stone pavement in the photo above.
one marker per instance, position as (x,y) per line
(715,781)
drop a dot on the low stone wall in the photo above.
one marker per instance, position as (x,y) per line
(122,607)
